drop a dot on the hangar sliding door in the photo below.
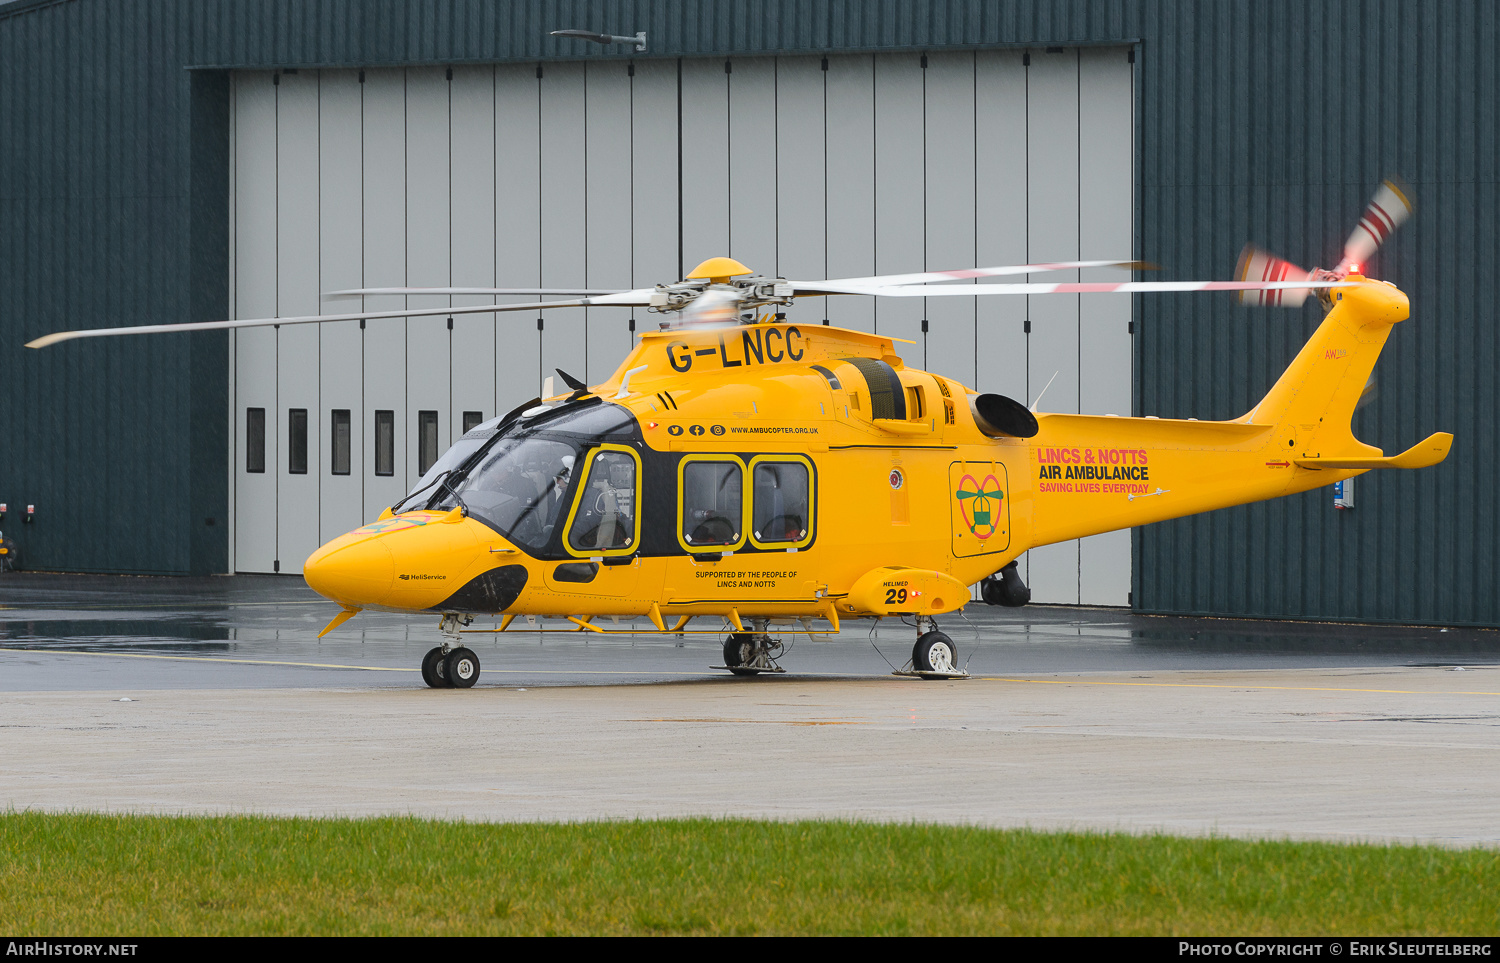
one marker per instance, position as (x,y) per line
(608,174)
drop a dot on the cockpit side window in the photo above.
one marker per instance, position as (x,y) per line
(711,515)
(605,519)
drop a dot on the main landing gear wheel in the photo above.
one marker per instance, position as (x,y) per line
(934,652)
(739,651)
(461,668)
(434,672)
(751,653)
(934,656)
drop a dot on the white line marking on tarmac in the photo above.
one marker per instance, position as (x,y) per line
(1211,685)
(204,658)
(387,668)
(844,675)
(162,605)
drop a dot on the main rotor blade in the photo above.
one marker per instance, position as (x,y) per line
(1388,209)
(626,299)
(537,292)
(969,273)
(1089,287)
(1258,265)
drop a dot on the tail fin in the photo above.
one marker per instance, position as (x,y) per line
(1312,403)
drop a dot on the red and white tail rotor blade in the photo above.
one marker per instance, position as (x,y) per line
(1265,267)
(1390,207)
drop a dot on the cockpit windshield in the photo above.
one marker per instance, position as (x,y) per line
(521,481)
(519,486)
(453,459)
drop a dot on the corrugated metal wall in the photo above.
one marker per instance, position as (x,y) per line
(1267,121)
(1274,122)
(119,445)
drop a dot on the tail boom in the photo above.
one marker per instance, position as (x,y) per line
(1095,474)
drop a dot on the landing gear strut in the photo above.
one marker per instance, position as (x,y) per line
(450,665)
(751,653)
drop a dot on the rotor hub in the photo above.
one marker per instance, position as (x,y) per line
(719,300)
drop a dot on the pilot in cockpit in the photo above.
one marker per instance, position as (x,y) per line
(606,513)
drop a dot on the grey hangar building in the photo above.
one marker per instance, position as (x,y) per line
(170,161)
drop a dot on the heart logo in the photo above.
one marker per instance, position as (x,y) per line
(980,504)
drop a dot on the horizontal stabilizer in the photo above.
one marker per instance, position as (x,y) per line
(1427,452)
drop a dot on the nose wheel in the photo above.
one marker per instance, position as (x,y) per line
(461,667)
(451,666)
(455,669)
(434,672)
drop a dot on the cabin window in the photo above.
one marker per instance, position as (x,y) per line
(427,440)
(385,442)
(604,520)
(781,514)
(255,440)
(296,433)
(712,504)
(341,442)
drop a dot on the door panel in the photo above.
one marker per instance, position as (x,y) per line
(979,502)
(341,343)
(565,214)
(1052,235)
(297,248)
(609,256)
(471,212)
(255,297)
(518,231)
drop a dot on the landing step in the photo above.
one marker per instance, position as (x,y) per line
(749,668)
(920,674)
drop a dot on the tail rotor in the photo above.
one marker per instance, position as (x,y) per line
(1388,210)
(1258,265)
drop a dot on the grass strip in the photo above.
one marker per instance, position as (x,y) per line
(74,874)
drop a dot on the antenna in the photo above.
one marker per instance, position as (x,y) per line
(1042,392)
(604,38)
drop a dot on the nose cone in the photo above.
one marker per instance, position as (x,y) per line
(406,562)
(354,569)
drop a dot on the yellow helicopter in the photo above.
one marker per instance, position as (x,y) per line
(774,477)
